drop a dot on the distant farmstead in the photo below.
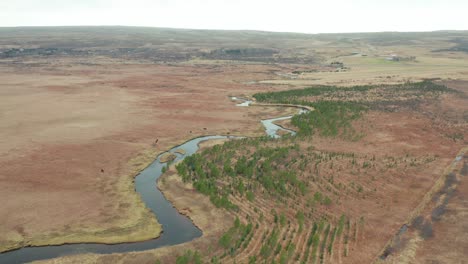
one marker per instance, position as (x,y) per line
(395,57)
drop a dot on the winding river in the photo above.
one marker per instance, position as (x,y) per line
(177,228)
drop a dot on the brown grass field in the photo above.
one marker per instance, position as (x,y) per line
(81,110)
(61,136)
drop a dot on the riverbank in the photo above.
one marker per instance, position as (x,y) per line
(201,217)
(139,165)
(69,140)
(136,222)
(197,207)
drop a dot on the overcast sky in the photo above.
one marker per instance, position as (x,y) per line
(308,16)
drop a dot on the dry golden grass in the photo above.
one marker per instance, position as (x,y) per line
(167,157)
(408,253)
(180,151)
(374,70)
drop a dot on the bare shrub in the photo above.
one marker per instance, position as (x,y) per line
(417,222)
(426,231)
(436,214)
(464,170)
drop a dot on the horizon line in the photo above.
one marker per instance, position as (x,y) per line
(232,30)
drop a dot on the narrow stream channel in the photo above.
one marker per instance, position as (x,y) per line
(177,228)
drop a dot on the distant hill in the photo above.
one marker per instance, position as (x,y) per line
(172,45)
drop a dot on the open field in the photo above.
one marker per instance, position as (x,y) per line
(63,125)
(371,70)
(435,232)
(84,109)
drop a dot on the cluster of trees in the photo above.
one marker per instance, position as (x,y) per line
(333,117)
(330,118)
(233,168)
(425,86)
(298,96)
(204,175)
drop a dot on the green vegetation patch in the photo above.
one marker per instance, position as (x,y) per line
(242,166)
(189,257)
(336,107)
(330,119)
(236,237)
